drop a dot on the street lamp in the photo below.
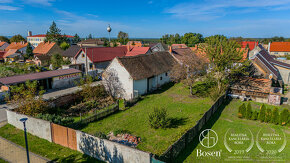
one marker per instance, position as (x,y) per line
(25,135)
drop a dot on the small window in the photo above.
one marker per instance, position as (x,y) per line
(161,78)
(83,55)
(166,74)
(91,65)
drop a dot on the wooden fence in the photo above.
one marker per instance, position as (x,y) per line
(64,136)
(177,147)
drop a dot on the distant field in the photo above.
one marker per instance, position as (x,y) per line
(229,120)
(185,111)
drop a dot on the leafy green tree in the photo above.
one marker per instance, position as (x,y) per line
(254,115)
(159,118)
(76,38)
(17,38)
(242,111)
(275,116)
(53,34)
(284,117)
(90,36)
(249,111)
(5,39)
(268,115)
(190,39)
(56,61)
(64,45)
(123,37)
(29,52)
(262,113)
(177,38)
(63,39)
(115,44)
(106,43)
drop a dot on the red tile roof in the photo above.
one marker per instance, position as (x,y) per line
(2,53)
(280,47)
(252,44)
(44,35)
(102,54)
(10,52)
(37,76)
(137,50)
(43,48)
(137,43)
(14,45)
(2,43)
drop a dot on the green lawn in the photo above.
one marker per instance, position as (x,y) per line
(227,119)
(43,147)
(3,161)
(183,109)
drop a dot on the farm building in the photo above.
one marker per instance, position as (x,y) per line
(131,76)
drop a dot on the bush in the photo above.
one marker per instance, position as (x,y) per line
(262,113)
(249,111)
(242,111)
(64,121)
(254,115)
(284,117)
(100,135)
(275,116)
(159,118)
(83,108)
(268,115)
(121,131)
(201,89)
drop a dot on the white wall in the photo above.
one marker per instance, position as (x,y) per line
(37,127)
(64,83)
(109,151)
(285,74)
(140,86)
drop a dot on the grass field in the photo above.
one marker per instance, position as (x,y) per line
(182,109)
(227,119)
(43,147)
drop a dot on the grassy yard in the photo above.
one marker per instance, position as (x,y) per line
(43,147)
(183,109)
(3,161)
(227,119)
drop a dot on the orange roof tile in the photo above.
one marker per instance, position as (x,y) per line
(43,48)
(10,52)
(2,43)
(137,43)
(16,45)
(137,50)
(280,47)
(175,46)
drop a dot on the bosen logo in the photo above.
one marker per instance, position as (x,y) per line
(208,138)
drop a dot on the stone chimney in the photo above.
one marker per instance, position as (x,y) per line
(29,33)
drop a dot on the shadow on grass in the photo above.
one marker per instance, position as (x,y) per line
(176,122)
(190,147)
(75,158)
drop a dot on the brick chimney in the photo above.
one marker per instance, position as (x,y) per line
(170,49)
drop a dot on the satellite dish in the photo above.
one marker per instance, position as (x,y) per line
(271,76)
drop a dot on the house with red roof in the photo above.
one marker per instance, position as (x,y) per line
(35,40)
(249,44)
(20,46)
(135,43)
(96,59)
(3,45)
(133,51)
(47,48)
(279,48)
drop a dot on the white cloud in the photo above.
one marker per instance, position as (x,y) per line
(6,1)
(39,2)
(8,8)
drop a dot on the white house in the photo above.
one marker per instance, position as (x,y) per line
(131,76)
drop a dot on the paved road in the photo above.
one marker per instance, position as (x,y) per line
(15,153)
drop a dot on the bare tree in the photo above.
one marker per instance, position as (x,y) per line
(189,71)
(112,83)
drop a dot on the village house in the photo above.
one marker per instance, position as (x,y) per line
(3,45)
(131,76)
(13,55)
(135,43)
(41,60)
(2,53)
(158,47)
(35,40)
(47,48)
(180,53)
(279,48)
(91,43)
(20,46)
(96,59)
(135,50)
(70,53)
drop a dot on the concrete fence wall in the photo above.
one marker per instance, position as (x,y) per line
(37,127)
(109,151)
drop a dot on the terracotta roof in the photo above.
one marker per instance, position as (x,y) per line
(71,51)
(280,47)
(146,66)
(102,54)
(16,45)
(2,43)
(10,52)
(137,50)
(43,47)
(176,46)
(137,43)
(37,76)
(251,44)
(44,35)
(252,85)
(200,53)
(2,53)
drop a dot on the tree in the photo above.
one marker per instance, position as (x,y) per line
(112,84)
(56,60)
(159,118)
(76,38)
(223,57)
(275,116)
(29,52)
(262,113)
(5,39)
(53,34)
(189,71)
(242,111)
(106,43)
(63,39)
(90,36)
(284,117)
(123,37)
(190,39)
(249,111)
(17,38)
(64,45)
(28,98)
(254,115)
(268,115)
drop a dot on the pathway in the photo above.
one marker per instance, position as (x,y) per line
(14,153)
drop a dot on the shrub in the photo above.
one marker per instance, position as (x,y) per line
(268,115)
(201,89)
(121,131)
(249,111)
(275,116)
(159,118)
(262,113)
(242,110)
(284,117)
(254,115)
(83,108)
(100,135)
(56,119)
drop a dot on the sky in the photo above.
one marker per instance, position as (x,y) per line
(147,19)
